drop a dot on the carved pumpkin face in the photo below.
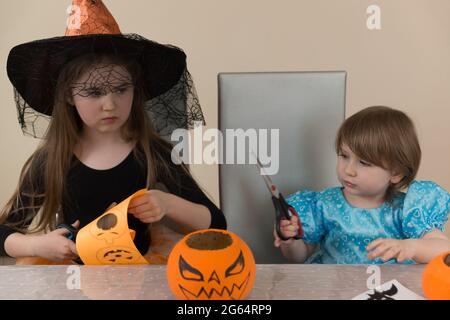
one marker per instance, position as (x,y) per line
(211,264)
(436,278)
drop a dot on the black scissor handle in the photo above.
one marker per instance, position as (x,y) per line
(299,234)
(72,234)
(283,211)
(290,211)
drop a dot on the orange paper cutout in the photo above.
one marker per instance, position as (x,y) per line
(108,240)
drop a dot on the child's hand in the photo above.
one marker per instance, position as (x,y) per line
(150,207)
(55,246)
(288,228)
(387,249)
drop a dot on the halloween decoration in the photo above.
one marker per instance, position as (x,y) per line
(436,278)
(383,295)
(390,290)
(211,264)
(107,239)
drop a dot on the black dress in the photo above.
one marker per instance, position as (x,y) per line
(89,192)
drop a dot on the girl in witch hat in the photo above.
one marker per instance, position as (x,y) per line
(101,101)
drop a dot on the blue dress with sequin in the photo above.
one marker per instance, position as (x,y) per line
(343,231)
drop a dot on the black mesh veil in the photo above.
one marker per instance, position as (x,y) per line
(32,122)
(170,95)
(179,107)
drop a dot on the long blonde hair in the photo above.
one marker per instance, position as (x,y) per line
(49,165)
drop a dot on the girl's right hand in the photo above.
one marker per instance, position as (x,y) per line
(289,229)
(55,246)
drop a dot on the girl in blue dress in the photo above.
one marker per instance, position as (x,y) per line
(368,219)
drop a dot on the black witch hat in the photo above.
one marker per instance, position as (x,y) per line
(33,69)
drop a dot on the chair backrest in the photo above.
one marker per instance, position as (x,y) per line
(307,108)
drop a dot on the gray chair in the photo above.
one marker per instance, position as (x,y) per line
(307,108)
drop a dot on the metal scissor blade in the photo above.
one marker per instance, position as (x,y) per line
(270,185)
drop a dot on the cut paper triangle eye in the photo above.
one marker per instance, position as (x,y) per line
(108,240)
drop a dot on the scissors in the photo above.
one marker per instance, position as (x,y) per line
(282,209)
(71,235)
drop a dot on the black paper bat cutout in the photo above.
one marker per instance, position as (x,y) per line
(383,295)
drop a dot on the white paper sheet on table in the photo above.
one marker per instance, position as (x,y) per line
(391,290)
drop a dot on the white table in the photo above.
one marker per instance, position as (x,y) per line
(279,282)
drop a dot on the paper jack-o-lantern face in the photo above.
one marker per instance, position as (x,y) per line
(436,278)
(107,228)
(211,264)
(117,255)
(108,240)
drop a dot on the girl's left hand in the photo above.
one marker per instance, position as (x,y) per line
(387,249)
(150,207)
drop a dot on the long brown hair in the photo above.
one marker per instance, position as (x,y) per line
(385,137)
(49,165)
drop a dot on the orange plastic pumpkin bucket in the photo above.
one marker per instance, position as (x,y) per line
(436,278)
(211,264)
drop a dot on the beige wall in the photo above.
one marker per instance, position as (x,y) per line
(406,64)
